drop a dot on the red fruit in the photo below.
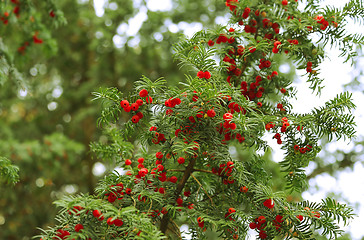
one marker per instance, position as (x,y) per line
(143,93)
(300,217)
(207,75)
(124,103)
(261,219)
(263,235)
(111,198)
(159,155)
(269,203)
(200,74)
(164,210)
(227,116)
(96,213)
(127,109)
(149,99)
(127,162)
(109,221)
(135,119)
(195,98)
(161,190)
(140,160)
(244,189)
(78,227)
(279,218)
(283,90)
(37,40)
(284,2)
(52,14)
(230,164)
(259,104)
(179,201)
(142,172)
(252,225)
(211,113)
(118,222)
(252,49)
(140,115)
(232,210)
(134,106)
(173,179)
(128,191)
(211,43)
(232,126)
(187,193)
(139,102)
(192,119)
(181,160)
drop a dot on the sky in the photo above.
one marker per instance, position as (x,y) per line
(335,73)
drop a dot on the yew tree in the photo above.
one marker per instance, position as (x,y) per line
(182,169)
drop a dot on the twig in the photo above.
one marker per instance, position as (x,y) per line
(202,188)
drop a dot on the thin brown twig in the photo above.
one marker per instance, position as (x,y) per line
(202,188)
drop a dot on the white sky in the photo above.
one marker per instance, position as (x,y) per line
(335,74)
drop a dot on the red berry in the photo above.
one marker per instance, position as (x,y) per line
(134,106)
(283,90)
(139,102)
(78,227)
(135,119)
(109,221)
(143,93)
(252,225)
(173,179)
(179,201)
(140,160)
(159,155)
(227,116)
(96,213)
(232,210)
(284,2)
(269,203)
(52,14)
(181,160)
(149,99)
(118,222)
(140,115)
(200,74)
(300,217)
(161,190)
(211,43)
(207,75)
(127,109)
(263,235)
(124,103)
(211,113)
(127,162)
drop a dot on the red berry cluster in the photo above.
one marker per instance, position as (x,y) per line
(259,224)
(202,74)
(302,150)
(135,106)
(4,18)
(115,192)
(253,91)
(158,137)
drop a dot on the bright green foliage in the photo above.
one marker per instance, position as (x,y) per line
(8,172)
(210,190)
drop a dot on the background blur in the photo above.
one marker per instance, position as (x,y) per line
(48,120)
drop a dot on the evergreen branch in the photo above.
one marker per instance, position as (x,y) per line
(8,173)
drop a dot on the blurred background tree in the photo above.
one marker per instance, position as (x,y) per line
(48,71)
(47,119)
